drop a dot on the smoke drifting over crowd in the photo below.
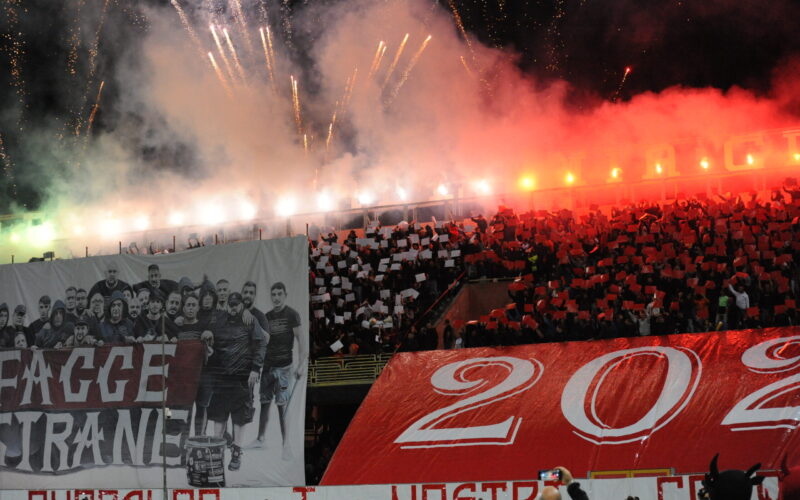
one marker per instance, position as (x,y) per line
(218,111)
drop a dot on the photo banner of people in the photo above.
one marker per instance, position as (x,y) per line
(88,346)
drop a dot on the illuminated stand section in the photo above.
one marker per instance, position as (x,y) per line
(753,161)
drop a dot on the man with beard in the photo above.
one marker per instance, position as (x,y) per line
(149,326)
(173,305)
(44,315)
(81,301)
(81,337)
(277,381)
(109,285)
(223,289)
(191,329)
(238,356)
(134,308)
(56,331)
(249,299)
(155,283)
(71,304)
(116,328)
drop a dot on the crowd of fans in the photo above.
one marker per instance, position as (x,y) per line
(646,269)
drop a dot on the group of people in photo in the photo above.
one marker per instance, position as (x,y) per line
(245,348)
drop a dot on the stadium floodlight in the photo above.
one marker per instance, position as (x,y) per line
(442,190)
(569,178)
(210,214)
(401,193)
(659,169)
(286,206)
(247,210)
(750,159)
(141,223)
(14,238)
(482,186)
(365,198)
(175,219)
(325,201)
(526,183)
(41,234)
(797,157)
(616,172)
(109,227)
(705,164)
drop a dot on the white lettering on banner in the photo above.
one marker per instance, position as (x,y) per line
(451,380)
(14,355)
(125,431)
(147,371)
(87,354)
(57,439)
(126,353)
(88,437)
(683,374)
(37,373)
(27,419)
(750,413)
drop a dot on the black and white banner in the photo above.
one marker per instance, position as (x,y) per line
(114,369)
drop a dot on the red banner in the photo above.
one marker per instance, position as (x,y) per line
(99,377)
(648,403)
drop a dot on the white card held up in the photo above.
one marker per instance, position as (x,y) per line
(385,294)
(402,243)
(425,242)
(319,313)
(455,253)
(450,263)
(319,281)
(396,267)
(339,320)
(420,277)
(378,278)
(337,346)
(444,238)
(350,297)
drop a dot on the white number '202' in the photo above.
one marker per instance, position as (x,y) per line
(452,380)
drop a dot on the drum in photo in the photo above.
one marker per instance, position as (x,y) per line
(205,461)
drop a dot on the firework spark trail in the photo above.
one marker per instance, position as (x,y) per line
(305,144)
(93,51)
(271,48)
(238,14)
(374,66)
(296,105)
(466,67)
(225,61)
(220,76)
(94,109)
(287,23)
(330,135)
(188,27)
(621,84)
(236,62)
(269,60)
(16,52)
(460,24)
(394,61)
(348,89)
(413,62)
(8,167)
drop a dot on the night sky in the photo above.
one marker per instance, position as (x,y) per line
(588,43)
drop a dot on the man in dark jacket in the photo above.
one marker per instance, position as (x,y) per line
(44,314)
(238,356)
(116,328)
(56,331)
(111,284)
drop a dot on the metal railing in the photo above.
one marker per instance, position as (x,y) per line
(346,370)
